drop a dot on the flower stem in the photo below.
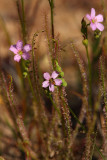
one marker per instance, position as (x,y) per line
(23,22)
(23,26)
(57,109)
(103,88)
(35,72)
(31,87)
(51,3)
(52,18)
(90,77)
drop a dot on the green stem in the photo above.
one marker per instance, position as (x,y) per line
(35,79)
(23,26)
(22,19)
(74,115)
(31,87)
(23,22)
(18,9)
(52,18)
(93,147)
(98,150)
(103,83)
(52,28)
(90,77)
(57,109)
(51,3)
(103,88)
(85,130)
(24,39)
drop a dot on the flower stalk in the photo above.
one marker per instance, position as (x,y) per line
(23,22)
(90,76)
(51,3)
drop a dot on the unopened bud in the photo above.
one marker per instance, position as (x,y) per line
(85,42)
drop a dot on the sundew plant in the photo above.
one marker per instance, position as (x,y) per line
(42,117)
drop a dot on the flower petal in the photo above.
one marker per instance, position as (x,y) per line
(93,26)
(58,82)
(100,26)
(19,45)
(54,75)
(25,56)
(47,76)
(13,49)
(17,57)
(88,17)
(99,18)
(51,87)
(45,84)
(92,13)
(27,47)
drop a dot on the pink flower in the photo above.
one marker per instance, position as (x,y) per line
(95,20)
(20,51)
(51,81)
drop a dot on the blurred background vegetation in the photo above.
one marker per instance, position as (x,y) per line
(67,21)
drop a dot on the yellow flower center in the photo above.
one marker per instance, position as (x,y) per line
(51,81)
(20,53)
(94,20)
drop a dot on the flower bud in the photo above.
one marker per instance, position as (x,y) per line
(62,74)
(85,42)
